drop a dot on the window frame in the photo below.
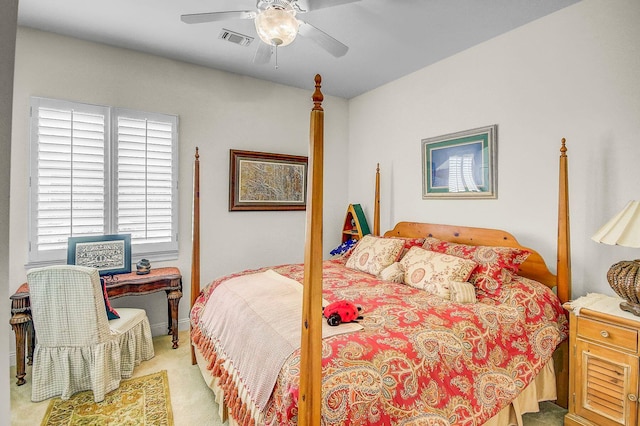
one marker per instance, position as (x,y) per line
(152,251)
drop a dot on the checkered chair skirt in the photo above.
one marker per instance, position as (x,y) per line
(77,347)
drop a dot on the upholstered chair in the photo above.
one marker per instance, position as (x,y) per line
(77,347)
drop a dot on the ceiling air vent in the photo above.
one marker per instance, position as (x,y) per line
(234,37)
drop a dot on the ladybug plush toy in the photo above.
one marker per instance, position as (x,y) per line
(341,311)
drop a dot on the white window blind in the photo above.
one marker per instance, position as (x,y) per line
(84,182)
(145,170)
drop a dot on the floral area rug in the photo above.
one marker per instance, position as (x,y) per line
(139,401)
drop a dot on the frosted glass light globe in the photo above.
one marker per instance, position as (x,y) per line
(277,26)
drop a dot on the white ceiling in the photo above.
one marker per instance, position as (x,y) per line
(386,39)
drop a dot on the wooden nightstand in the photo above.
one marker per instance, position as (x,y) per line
(604,363)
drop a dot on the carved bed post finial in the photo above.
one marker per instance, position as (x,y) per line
(197,154)
(317,94)
(563,149)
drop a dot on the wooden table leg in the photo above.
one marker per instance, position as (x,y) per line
(21,323)
(173,299)
(169,317)
(31,342)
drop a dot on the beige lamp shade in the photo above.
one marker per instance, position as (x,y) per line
(623,229)
(624,276)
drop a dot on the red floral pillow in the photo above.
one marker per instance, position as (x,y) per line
(494,263)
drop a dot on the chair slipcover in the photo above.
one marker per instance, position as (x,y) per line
(77,347)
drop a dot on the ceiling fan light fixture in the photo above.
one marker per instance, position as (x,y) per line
(277,25)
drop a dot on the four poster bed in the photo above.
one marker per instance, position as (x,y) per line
(426,351)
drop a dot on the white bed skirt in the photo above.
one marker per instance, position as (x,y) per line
(543,388)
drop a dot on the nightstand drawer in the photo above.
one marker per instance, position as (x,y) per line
(621,337)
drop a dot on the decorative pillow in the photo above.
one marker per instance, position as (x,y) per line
(408,243)
(373,254)
(111,313)
(393,273)
(460,292)
(432,271)
(493,262)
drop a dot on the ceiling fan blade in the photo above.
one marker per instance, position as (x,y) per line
(309,5)
(199,18)
(263,54)
(323,39)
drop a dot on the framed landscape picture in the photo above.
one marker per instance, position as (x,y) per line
(460,165)
(110,254)
(265,181)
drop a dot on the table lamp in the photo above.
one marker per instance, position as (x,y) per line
(624,230)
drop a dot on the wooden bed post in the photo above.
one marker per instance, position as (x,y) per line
(376,204)
(564,246)
(561,355)
(195,252)
(310,395)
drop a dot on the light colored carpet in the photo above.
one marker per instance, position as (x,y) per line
(192,401)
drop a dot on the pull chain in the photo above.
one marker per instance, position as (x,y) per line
(275,48)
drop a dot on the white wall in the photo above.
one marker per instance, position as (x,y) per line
(8,22)
(218,111)
(572,74)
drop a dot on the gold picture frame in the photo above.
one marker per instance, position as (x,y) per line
(267,181)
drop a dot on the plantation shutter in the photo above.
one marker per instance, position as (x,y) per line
(68,195)
(98,170)
(146,180)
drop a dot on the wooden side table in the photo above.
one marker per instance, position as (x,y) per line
(160,279)
(605,362)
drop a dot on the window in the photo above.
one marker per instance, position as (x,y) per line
(100,170)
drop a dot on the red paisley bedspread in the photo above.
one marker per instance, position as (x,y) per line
(420,359)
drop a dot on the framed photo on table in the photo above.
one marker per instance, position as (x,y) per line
(110,254)
(460,165)
(265,181)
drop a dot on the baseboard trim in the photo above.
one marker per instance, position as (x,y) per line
(162,328)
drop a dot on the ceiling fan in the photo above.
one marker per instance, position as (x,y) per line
(277,25)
